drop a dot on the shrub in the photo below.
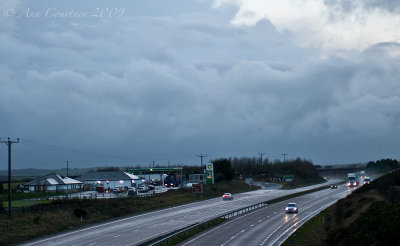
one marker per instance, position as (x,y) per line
(80,212)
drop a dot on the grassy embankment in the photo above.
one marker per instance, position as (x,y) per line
(64,215)
(368,216)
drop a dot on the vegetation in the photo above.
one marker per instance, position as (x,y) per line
(223,170)
(368,216)
(62,215)
(382,166)
(305,173)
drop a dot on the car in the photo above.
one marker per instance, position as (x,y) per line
(168,184)
(227,196)
(151,187)
(333,186)
(101,189)
(115,190)
(131,190)
(292,208)
(367,180)
(142,188)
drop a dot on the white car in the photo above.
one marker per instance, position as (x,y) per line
(291,208)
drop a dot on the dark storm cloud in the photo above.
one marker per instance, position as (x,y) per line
(160,85)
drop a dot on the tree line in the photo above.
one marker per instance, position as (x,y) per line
(228,168)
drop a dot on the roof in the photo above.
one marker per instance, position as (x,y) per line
(108,175)
(155,170)
(53,179)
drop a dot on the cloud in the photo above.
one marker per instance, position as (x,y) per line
(327,25)
(168,86)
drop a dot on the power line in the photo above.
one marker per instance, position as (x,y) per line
(94,154)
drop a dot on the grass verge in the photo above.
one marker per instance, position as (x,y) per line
(62,215)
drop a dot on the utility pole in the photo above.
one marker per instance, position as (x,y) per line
(67,168)
(261,154)
(284,159)
(9,142)
(153,163)
(201,158)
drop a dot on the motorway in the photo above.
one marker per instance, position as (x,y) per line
(269,225)
(138,229)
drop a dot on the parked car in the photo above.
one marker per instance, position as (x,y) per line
(142,188)
(131,191)
(101,189)
(227,196)
(151,187)
(333,186)
(292,208)
(115,190)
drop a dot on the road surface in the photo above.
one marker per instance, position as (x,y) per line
(137,229)
(269,225)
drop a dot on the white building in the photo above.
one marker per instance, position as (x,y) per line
(109,179)
(54,183)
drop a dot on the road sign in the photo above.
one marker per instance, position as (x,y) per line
(210,173)
(197,188)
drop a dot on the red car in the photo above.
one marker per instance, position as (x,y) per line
(227,196)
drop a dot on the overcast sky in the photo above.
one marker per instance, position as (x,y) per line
(128,82)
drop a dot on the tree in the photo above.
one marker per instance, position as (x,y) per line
(223,170)
(382,166)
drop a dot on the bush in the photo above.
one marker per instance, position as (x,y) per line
(80,212)
(377,226)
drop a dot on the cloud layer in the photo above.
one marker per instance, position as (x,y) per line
(205,77)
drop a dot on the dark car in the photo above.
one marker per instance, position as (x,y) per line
(131,191)
(292,208)
(101,189)
(333,186)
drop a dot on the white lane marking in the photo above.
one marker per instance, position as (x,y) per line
(301,220)
(261,220)
(216,228)
(110,223)
(252,225)
(233,237)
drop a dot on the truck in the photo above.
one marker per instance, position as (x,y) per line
(353,179)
